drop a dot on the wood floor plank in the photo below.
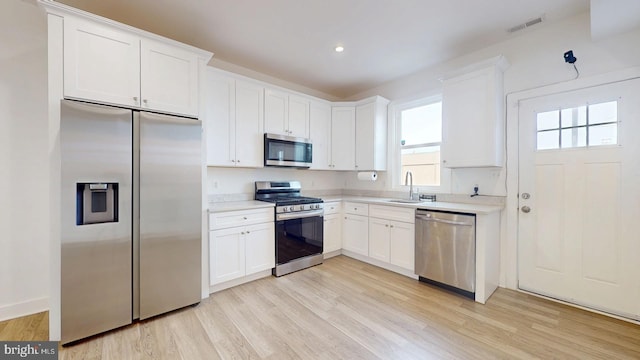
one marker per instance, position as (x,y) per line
(347,309)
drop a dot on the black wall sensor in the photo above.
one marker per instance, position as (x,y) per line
(569,58)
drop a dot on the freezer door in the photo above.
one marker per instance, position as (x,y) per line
(170,208)
(95,145)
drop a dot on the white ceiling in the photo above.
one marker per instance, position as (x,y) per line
(294,39)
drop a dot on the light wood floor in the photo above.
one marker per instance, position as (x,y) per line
(345,309)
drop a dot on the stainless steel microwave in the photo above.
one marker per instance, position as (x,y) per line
(287,151)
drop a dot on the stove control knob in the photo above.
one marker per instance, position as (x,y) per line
(284,209)
(301,207)
(290,208)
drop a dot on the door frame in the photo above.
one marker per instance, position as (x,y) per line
(509,243)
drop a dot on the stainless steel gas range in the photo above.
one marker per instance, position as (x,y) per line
(299,223)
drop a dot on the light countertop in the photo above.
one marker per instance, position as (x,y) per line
(238,205)
(428,205)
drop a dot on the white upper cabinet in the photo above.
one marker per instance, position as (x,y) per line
(233,118)
(371,134)
(286,114)
(110,63)
(473,116)
(101,63)
(343,134)
(168,78)
(320,134)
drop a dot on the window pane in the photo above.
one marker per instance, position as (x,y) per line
(575,137)
(422,125)
(548,140)
(424,164)
(548,120)
(603,134)
(574,117)
(603,113)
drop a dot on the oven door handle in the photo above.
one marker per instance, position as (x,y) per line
(298,215)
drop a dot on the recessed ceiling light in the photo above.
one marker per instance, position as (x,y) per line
(339,48)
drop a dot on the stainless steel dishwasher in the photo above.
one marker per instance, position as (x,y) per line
(446,250)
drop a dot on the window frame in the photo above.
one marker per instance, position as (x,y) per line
(395,133)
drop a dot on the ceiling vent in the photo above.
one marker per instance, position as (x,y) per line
(525,25)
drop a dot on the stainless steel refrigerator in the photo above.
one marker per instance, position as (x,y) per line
(131,216)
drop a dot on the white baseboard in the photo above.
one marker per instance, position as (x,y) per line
(30,307)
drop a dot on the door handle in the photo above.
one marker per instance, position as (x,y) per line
(525,209)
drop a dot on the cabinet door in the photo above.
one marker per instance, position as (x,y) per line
(298,116)
(101,63)
(218,94)
(260,247)
(379,239)
(320,134)
(276,111)
(472,127)
(365,150)
(332,233)
(402,244)
(226,255)
(249,139)
(169,78)
(343,135)
(355,234)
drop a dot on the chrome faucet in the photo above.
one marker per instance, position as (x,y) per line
(408,180)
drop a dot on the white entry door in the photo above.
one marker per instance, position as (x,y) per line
(579,189)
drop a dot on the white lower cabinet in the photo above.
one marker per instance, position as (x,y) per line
(241,243)
(241,251)
(332,229)
(355,234)
(392,235)
(260,249)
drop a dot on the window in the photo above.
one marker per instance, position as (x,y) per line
(582,126)
(417,140)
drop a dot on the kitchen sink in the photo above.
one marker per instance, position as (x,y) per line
(405,201)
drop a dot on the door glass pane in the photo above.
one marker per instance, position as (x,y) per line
(422,125)
(574,137)
(548,120)
(548,140)
(603,113)
(603,134)
(424,164)
(574,116)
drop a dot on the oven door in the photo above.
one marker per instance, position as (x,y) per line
(298,236)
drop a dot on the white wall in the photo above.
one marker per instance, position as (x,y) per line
(241,181)
(24,167)
(536,58)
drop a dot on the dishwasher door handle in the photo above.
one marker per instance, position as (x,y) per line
(449,222)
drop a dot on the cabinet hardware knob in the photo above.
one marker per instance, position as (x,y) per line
(526,209)
(386,225)
(135,98)
(233,161)
(244,217)
(237,160)
(391,225)
(145,101)
(242,233)
(248,232)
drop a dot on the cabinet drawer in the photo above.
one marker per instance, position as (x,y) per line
(356,208)
(227,219)
(332,208)
(393,213)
